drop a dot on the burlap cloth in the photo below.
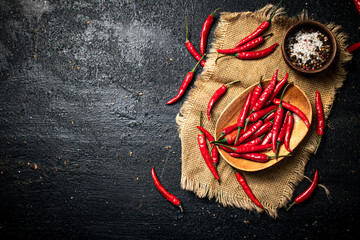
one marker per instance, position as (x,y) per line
(274,186)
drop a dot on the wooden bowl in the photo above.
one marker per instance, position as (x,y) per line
(293,95)
(316,26)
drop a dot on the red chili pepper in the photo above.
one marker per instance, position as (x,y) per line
(354,46)
(289,127)
(357,4)
(281,136)
(279,115)
(214,151)
(171,198)
(246,188)
(262,130)
(267,139)
(227,130)
(279,86)
(254,142)
(265,25)
(259,114)
(230,137)
(242,116)
(247,149)
(205,31)
(249,132)
(320,118)
(184,84)
(294,109)
(205,154)
(256,54)
(269,117)
(256,94)
(307,193)
(248,46)
(257,157)
(218,93)
(226,149)
(266,93)
(190,47)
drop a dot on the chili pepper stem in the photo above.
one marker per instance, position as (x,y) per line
(246,123)
(193,70)
(264,37)
(232,148)
(292,204)
(224,56)
(230,83)
(219,141)
(318,144)
(186,38)
(273,13)
(221,136)
(277,150)
(213,13)
(238,134)
(181,207)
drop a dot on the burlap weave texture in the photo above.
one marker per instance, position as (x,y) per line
(274,186)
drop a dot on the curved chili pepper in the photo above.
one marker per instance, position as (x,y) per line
(355,46)
(205,154)
(218,93)
(267,139)
(226,149)
(307,193)
(279,86)
(294,109)
(253,142)
(270,117)
(230,137)
(214,151)
(266,93)
(259,114)
(279,115)
(257,157)
(242,116)
(248,46)
(227,130)
(190,47)
(256,94)
(289,126)
(262,130)
(281,136)
(320,118)
(265,25)
(249,132)
(205,31)
(171,198)
(246,188)
(256,54)
(184,84)
(247,149)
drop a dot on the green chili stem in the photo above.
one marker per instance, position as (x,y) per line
(273,13)
(230,83)
(317,146)
(213,13)
(198,63)
(187,29)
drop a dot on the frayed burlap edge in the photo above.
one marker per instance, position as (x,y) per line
(203,190)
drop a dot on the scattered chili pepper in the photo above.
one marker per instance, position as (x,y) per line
(257,157)
(248,46)
(281,136)
(190,47)
(266,93)
(279,115)
(242,116)
(357,4)
(246,188)
(247,149)
(252,55)
(306,194)
(171,198)
(214,150)
(184,84)
(249,132)
(205,31)
(279,86)
(218,93)
(355,46)
(320,118)
(294,109)
(267,139)
(256,94)
(205,154)
(265,25)
(289,127)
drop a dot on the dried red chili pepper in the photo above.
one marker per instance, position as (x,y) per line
(247,149)
(184,84)
(248,46)
(257,157)
(170,197)
(190,47)
(256,94)
(266,93)
(279,115)
(281,136)
(242,116)
(205,31)
(307,193)
(357,4)
(320,118)
(246,188)
(214,150)
(249,132)
(289,127)
(279,86)
(218,93)
(265,25)
(294,109)
(355,46)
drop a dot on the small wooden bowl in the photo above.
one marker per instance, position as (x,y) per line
(293,95)
(313,25)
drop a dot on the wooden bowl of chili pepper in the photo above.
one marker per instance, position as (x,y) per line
(302,112)
(309,47)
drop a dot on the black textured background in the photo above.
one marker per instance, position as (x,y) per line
(83,86)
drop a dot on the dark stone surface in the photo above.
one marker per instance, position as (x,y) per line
(83,119)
